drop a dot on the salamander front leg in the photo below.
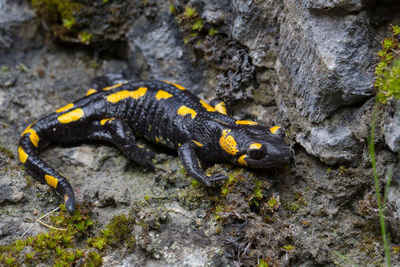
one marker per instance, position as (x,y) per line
(189,161)
(120,134)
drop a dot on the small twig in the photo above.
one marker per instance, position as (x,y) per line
(38,220)
(51,227)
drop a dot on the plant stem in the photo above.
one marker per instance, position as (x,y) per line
(371,147)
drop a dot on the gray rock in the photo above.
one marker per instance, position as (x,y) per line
(392,130)
(323,57)
(327,59)
(163,53)
(11,191)
(348,5)
(331,144)
(337,140)
(18,27)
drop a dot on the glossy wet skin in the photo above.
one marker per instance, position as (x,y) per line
(259,148)
(162,112)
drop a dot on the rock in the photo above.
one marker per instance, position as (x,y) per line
(337,140)
(331,144)
(327,59)
(10,191)
(163,53)
(348,5)
(18,30)
(392,130)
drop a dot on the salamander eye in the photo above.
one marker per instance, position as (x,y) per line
(256,151)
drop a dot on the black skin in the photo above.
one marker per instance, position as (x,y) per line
(157,121)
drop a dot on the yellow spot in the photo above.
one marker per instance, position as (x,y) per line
(246,122)
(22,155)
(197,143)
(32,134)
(274,129)
(103,121)
(91,91)
(179,144)
(220,107)
(116,97)
(228,143)
(113,87)
(65,108)
(176,85)
(207,106)
(183,110)
(157,139)
(255,146)
(161,94)
(51,180)
(71,116)
(242,160)
(66,198)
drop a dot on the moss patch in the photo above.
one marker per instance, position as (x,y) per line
(68,242)
(387,71)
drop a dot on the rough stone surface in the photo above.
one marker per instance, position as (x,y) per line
(333,145)
(18,30)
(305,65)
(330,67)
(162,51)
(348,5)
(392,130)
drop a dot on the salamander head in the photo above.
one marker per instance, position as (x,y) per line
(255,146)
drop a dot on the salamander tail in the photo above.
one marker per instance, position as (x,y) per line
(41,171)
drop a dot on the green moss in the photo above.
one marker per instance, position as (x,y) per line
(22,68)
(191,25)
(257,196)
(6,152)
(194,183)
(212,31)
(85,37)
(61,16)
(172,9)
(56,10)
(288,247)
(387,71)
(190,12)
(117,233)
(55,246)
(262,263)
(65,247)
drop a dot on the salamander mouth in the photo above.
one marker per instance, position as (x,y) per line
(260,164)
(272,161)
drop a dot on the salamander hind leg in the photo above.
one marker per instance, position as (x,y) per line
(119,133)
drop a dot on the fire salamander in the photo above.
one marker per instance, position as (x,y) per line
(162,112)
